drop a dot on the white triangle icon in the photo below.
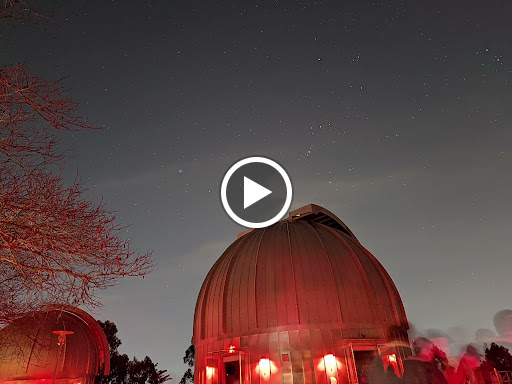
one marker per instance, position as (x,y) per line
(253,192)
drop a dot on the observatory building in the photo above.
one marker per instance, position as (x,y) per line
(301,301)
(61,346)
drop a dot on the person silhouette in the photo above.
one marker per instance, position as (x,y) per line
(390,376)
(469,366)
(422,368)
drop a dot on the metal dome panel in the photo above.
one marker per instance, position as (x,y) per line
(296,272)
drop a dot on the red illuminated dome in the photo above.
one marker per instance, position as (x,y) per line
(294,292)
(68,343)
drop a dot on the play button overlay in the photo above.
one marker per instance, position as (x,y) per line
(253,192)
(256,192)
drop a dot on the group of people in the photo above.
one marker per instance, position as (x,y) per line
(428,366)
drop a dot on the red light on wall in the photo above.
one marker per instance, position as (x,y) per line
(331,364)
(210,372)
(231,349)
(264,367)
(391,361)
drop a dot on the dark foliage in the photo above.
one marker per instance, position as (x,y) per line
(126,371)
(190,359)
(498,357)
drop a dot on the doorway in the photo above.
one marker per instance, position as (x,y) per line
(232,369)
(363,361)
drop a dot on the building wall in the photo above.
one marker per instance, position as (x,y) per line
(295,356)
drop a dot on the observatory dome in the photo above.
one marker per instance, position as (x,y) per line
(32,349)
(304,278)
(309,270)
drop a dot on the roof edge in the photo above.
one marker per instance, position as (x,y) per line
(321,215)
(313,213)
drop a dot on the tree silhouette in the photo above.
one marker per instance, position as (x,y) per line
(20,11)
(190,359)
(56,247)
(498,357)
(126,371)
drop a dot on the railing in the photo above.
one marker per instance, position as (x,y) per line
(504,377)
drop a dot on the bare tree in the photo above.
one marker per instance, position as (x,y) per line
(20,11)
(55,245)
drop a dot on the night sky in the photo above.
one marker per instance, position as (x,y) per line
(394,115)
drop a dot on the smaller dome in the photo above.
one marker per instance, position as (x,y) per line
(30,350)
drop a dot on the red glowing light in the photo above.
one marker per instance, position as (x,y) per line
(231,349)
(330,363)
(62,336)
(63,332)
(264,367)
(210,372)
(392,358)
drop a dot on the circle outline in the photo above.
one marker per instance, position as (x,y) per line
(233,169)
